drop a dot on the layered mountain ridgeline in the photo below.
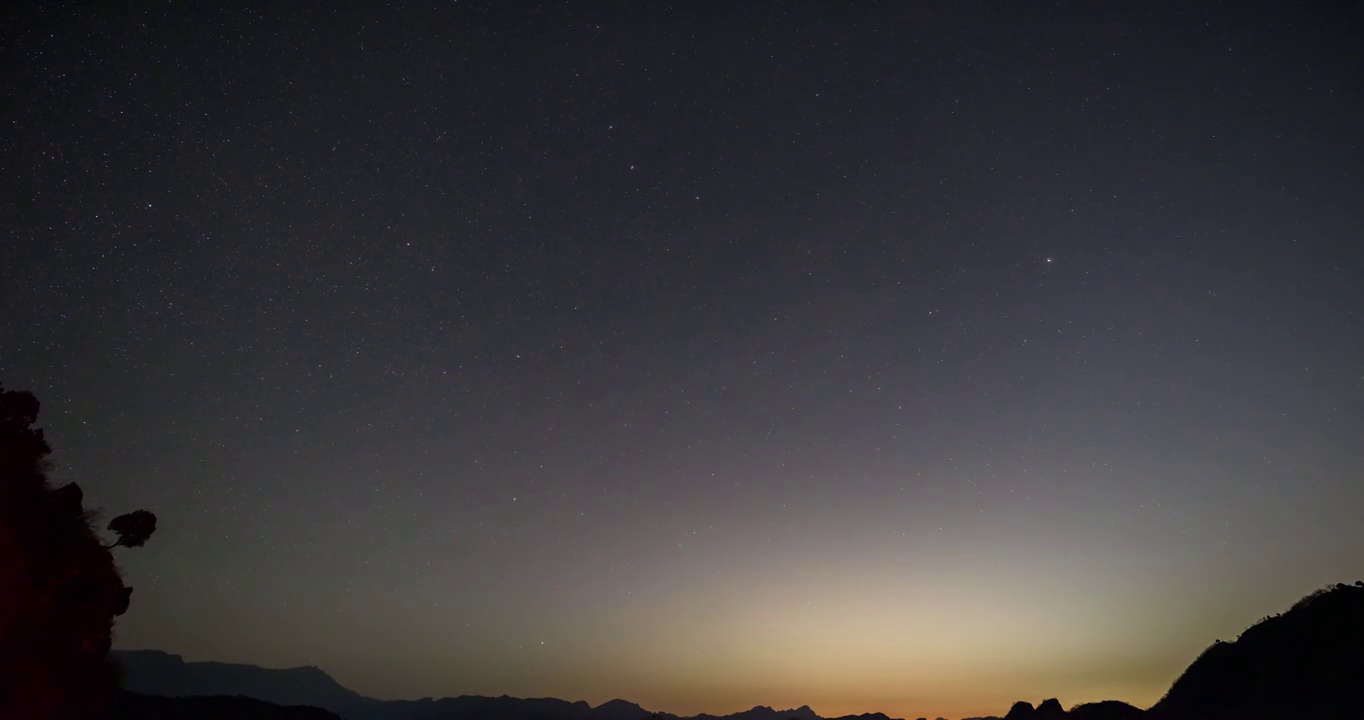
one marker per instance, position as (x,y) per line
(155,673)
(1306,664)
(152,672)
(468,707)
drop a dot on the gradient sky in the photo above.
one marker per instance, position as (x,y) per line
(903,357)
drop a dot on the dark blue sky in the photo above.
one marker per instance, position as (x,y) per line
(903,357)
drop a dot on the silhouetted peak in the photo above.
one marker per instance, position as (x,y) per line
(801,713)
(1051,707)
(1021,710)
(866,716)
(619,710)
(618,703)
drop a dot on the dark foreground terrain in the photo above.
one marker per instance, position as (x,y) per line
(135,706)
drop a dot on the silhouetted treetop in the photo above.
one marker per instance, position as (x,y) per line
(133,529)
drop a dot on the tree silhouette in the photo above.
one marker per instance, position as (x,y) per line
(133,529)
(59,588)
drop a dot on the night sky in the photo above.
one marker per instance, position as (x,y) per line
(905,357)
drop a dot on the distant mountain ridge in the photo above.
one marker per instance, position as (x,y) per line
(157,673)
(152,672)
(1305,664)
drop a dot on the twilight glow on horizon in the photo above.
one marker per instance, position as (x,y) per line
(912,358)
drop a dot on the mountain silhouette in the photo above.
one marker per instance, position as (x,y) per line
(152,672)
(155,673)
(1305,664)
(620,710)
(763,712)
(1050,708)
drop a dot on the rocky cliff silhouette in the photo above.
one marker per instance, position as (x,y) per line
(60,589)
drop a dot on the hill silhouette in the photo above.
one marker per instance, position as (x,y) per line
(1304,664)
(763,712)
(620,710)
(1051,709)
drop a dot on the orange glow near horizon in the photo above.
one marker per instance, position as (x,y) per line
(843,649)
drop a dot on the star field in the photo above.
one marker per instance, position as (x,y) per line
(891,357)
